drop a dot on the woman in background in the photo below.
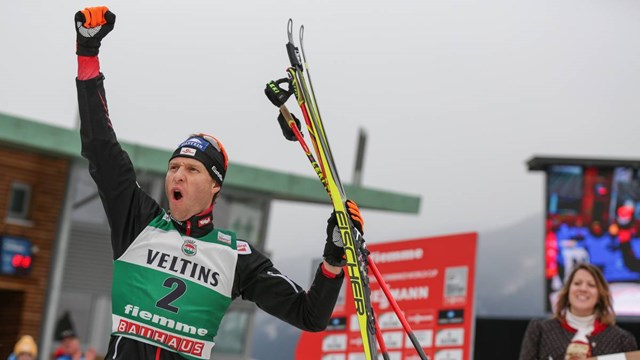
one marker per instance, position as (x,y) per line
(583,322)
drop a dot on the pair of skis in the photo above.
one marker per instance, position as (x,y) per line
(357,255)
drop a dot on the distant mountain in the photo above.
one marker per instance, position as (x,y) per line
(510,270)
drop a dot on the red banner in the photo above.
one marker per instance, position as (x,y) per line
(432,281)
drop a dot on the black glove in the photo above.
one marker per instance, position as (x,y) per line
(334,248)
(92,25)
(286,129)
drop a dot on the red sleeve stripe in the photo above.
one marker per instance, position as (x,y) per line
(88,67)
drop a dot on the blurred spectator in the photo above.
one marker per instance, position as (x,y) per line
(70,348)
(583,323)
(25,349)
(626,232)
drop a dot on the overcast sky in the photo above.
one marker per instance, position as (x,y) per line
(455,96)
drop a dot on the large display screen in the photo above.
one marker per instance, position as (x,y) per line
(593,215)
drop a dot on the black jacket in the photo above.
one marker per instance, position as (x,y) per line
(129,209)
(549,339)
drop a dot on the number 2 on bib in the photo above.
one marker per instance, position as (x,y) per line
(177,291)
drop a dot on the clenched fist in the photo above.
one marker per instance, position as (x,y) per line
(92,25)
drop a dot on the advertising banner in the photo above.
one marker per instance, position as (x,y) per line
(432,280)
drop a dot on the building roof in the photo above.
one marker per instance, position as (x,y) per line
(59,141)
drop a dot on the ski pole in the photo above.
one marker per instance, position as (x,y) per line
(396,308)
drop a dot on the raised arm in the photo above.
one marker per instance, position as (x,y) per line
(128,208)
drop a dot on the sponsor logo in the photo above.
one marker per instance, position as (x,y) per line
(196,143)
(189,247)
(243,247)
(399,255)
(393,339)
(134,311)
(409,275)
(334,343)
(184,267)
(274,88)
(225,238)
(355,342)
(337,323)
(455,285)
(215,171)
(424,337)
(204,221)
(352,266)
(450,337)
(388,320)
(400,294)
(187,151)
(420,318)
(182,344)
(452,316)
(354,325)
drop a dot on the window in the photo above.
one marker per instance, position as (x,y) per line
(19,198)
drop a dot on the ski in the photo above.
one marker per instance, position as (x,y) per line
(358,259)
(355,252)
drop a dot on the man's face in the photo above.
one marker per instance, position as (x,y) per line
(70,345)
(25,356)
(189,187)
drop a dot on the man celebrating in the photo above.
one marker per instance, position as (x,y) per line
(175,274)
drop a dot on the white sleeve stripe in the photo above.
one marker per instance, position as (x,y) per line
(286,279)
(115,351)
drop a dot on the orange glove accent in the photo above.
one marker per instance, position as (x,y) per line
(94,16)
(354,213)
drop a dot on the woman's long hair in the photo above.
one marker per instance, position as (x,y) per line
(604,306)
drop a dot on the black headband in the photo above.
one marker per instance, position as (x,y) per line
(202,150)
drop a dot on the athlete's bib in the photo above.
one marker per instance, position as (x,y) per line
(172,290)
